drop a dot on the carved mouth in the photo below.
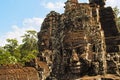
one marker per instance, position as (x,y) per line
(75,67)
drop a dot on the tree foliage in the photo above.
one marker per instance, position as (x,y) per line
(29,48)
(6,57)
(13,53)
(117,16)
(13,48)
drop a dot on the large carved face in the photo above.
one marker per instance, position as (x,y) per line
(76,59)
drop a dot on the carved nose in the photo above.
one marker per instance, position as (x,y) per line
(75,57)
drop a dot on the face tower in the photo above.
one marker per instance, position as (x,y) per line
(81,41)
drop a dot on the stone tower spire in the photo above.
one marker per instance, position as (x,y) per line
(70,4)
(75,1)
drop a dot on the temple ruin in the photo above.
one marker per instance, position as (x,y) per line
(83,41)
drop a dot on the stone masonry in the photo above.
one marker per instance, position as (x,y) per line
(84,40)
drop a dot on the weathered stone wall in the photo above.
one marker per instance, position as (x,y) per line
(18,73)
(112,39)
(81,41)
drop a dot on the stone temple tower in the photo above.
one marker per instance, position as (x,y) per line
(71,4)
(81,41)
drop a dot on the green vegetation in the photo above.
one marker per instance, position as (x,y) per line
(13,52)
(117,17)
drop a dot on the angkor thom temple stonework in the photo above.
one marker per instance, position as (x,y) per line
(83,41)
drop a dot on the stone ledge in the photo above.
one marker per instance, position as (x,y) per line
(99,77)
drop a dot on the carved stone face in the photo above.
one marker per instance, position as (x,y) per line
(74,60)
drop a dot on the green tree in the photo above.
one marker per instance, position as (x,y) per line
(13,53)
(30,40)
(1,50)
(29,48)
(117,17)
(13,48)
(6,57)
